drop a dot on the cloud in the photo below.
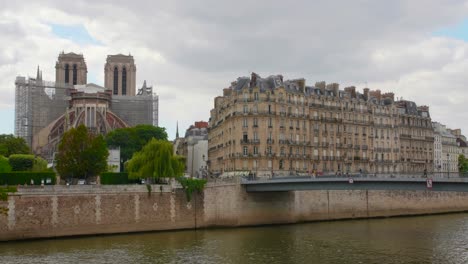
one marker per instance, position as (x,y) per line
(191,50)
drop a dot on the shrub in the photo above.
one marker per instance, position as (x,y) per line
(191,185)
(114,178)
(25,177)
(5,190)
(21,162)
(4,164)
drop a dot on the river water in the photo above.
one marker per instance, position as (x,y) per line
(424,239)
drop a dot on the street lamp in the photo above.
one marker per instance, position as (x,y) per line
(448,166)
(203,167)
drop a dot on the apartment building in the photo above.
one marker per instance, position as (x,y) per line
(270,126)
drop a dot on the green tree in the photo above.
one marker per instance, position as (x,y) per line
(462,164)
(10,144)
(81,154)
(155,160)
(4,164)
(132,139)
(39,165)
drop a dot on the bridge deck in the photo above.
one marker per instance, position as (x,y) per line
(357,183)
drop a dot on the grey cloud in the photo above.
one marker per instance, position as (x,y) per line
(207,44)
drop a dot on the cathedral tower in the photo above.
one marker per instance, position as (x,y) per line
(120,74)
(71,68)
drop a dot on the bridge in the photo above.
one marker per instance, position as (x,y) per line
(355,182)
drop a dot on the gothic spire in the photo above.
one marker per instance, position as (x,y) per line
(177,130)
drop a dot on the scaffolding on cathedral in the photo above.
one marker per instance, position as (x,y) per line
(37,103)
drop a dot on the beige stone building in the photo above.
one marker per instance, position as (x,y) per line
(416,137)
(268,126)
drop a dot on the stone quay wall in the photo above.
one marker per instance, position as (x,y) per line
(55,211)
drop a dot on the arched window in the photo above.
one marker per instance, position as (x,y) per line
(116,81)
(124,81)
(67,73)
(75,73)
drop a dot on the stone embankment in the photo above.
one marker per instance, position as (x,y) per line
(55,211)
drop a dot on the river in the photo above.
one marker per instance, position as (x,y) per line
(423,239)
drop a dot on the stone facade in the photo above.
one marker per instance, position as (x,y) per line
(89,105)
(120,74)
(416,137)
(194,147)
(70,69)
(447,149)
(268,126)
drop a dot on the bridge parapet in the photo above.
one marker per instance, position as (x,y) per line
(355,182)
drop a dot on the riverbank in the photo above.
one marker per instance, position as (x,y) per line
(55,211)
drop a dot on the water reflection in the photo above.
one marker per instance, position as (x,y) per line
(428,239)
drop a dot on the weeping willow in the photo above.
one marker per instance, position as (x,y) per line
(155,160)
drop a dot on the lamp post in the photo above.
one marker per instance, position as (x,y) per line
(193,149)
(448,166)
(202,167)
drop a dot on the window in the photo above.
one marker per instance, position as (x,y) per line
(256,96)
(246,109)
(245,122)
(116,81)
(270,122)
(67,73)
(75,73)
(269,150)
(245,137)
(246,151)
(255,150)
(124,81)
(255,122)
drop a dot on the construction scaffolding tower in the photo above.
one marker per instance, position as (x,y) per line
(37,104)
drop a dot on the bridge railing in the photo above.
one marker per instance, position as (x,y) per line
(438,175)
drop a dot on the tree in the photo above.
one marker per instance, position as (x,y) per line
(462,164)
(132,139)
(39,165)
(156,160)
(10,144)
(81,154)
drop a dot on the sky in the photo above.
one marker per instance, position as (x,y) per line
(190,50)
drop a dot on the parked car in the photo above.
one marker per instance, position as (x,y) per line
(81,182)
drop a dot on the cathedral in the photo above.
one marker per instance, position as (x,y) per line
(45,110)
